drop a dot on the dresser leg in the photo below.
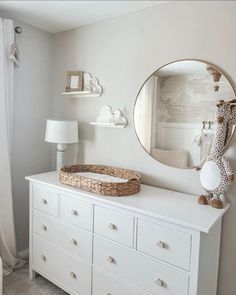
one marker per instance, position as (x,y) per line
(32,274)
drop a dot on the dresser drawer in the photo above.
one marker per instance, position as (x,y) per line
(164,243)
(104,284)
(72,239)
(143,272)
(113,225)
(76,211)
(73,273)
(45,199)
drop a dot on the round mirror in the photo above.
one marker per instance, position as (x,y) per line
(174,113)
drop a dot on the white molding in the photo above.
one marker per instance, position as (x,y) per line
(23,254)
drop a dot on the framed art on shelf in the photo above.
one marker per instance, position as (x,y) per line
(74,81)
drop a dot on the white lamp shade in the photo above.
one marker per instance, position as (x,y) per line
(61,131)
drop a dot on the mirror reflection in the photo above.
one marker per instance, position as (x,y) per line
(174,114)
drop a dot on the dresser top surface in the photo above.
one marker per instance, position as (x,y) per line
(175,207)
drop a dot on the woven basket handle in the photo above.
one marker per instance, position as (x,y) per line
(133,179)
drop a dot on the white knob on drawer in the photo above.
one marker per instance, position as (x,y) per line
(161,244)
(160,283)
(44,201)
(74,242)
(110,259)
(112,226)
(43,258)
(44,227)
(74,212)
(73,275)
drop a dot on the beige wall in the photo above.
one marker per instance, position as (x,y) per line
(32,106)
(122,53)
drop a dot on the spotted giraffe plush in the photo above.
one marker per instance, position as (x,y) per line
(216,173)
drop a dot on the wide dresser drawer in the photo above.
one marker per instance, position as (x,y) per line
(143,272)
(114,225)
(73,273)
(45,199)
(164,243)
(71,238)
(104,284)
(76,211)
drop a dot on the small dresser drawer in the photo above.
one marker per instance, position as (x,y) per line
(74,240)
(106,285)
(143,272)
(164,243)
(66,269)
(113,225)
(76,211)
(45,199)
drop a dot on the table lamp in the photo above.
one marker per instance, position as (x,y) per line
(62,133)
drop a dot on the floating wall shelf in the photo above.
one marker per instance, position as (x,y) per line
(110,117)
(91,87)
(77,94)
(109,125)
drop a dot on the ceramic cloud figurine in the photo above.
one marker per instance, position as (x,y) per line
(216,174)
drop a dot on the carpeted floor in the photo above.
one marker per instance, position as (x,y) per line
(18,283)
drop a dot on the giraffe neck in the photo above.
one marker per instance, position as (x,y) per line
(231,124)
(219,141)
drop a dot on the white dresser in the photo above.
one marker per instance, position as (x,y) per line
(157,242)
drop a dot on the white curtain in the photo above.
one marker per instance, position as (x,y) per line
(7,231)
(144,110)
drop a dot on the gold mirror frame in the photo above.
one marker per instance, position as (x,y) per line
(185,59)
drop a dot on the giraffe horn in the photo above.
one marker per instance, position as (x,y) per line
(220,103)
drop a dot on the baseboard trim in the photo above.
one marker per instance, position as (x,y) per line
(23,254)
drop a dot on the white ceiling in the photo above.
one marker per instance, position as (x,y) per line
(57,16)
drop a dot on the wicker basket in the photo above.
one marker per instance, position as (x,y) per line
(67,176)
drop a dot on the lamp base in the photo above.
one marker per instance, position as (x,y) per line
(60,156)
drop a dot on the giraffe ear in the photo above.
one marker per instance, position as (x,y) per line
(232,105)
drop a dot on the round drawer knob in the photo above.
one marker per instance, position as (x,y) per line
(112,226)
(43,258)
(161,244)
(73,275)
(111,259)
(74,212)
(160,283)
(44,201)
(74,242)
(44,227)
